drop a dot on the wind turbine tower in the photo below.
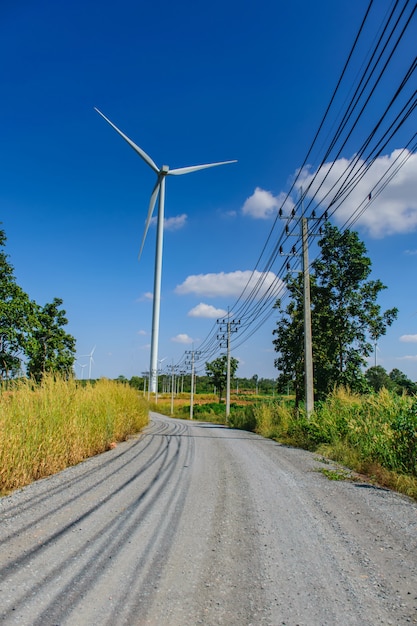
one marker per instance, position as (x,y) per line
(91,361)
(159,189)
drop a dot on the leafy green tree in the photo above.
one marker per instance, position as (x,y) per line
(136,382)
(16,311)
(401,383)
(267,386)
(346,319)
(50,348)
(217,372)
(289,340)
(378,378)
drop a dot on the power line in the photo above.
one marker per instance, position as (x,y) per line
(257,299)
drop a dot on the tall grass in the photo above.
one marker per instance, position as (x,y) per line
(45,428)
(374,434)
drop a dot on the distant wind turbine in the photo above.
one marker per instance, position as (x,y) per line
(91,361)
(82,366)
(159,188)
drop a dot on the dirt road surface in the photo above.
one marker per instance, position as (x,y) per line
(192,523)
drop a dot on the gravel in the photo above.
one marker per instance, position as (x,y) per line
(192,523)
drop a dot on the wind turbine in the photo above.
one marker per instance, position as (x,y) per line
(91,361)
(82,366)
(159,188)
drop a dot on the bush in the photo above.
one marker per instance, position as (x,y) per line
(404,442)
(242,417)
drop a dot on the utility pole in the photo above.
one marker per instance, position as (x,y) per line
(145,375)
(172,386)
(229,326)
(308,349)
(194,357)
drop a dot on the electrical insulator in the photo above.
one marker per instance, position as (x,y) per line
(288,267)
(287,230)
(281,251)
(280,212)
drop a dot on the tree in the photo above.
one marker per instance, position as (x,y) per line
(217,372)
(136,382)
(289,341)
(16,311)
(378,378)
(346,319)
(50,348)
(401,383)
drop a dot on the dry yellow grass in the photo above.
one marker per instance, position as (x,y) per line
(45,428)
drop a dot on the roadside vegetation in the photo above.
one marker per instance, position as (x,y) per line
(49,426)
(373,434)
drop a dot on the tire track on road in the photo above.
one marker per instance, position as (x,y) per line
(108,538)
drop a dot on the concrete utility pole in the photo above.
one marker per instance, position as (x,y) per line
(172,386)
(308,346)
(230,327)
(194,357)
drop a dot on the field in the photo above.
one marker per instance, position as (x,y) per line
(45,428)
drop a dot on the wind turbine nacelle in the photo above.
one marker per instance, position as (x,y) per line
(164,169)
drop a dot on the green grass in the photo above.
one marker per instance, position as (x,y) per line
(374,435)
(45,428)
(335,474)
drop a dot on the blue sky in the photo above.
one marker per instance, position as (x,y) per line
(190,83)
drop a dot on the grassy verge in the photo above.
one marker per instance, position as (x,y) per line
(374,435)
(45,428)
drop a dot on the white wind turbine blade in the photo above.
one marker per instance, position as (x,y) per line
(136,148)
(150,213)
(195,168)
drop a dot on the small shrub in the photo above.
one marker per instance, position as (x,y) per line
(243,418)
(404,440)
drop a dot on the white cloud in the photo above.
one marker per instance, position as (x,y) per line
(175,223)
(207,311)
(407,358)
(264,205)
(182,338)
(392,211)
(409,338)
(410,252)
(146,296)
(231,284)
(172,223)
(142,332)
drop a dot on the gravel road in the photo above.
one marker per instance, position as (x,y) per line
(192,523)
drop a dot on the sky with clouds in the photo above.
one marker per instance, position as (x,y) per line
(195,83)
